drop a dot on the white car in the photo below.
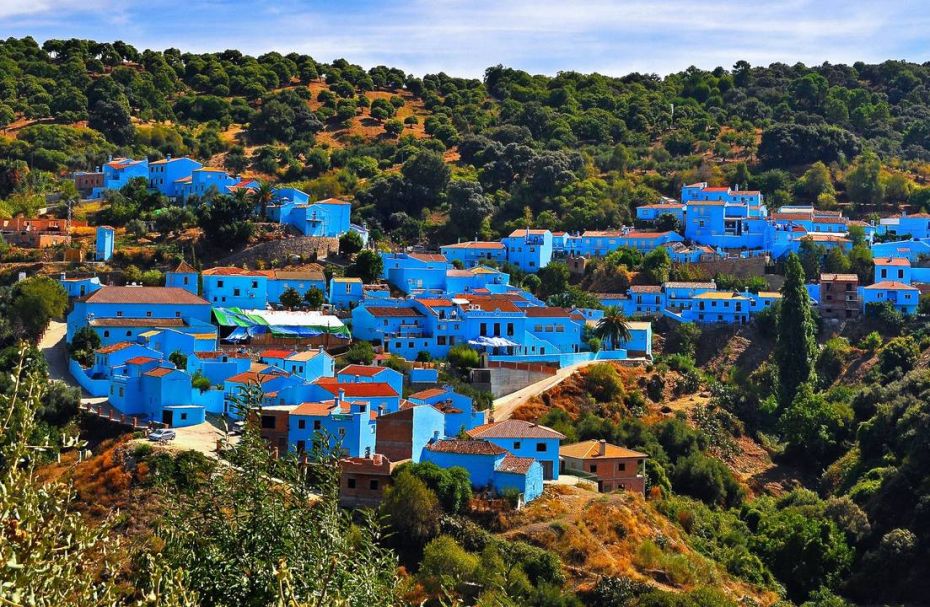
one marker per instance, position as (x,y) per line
(162,435)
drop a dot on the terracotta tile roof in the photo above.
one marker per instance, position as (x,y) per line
(769,294)
(493,303)
(459,273)
(219,354)
(716,189)
(646,289)
(376,388)
(389,312)
(602,233)
(511,464)
(160,372)
(546,312)
(665,205)
(428,257)
(591,449)
(474,245)
(523,232)
(346,279)
(140,360)
(514,428)
(114,347)
(145,295)
(331,201)
(466,447)
(304,356)
(841,277)
(891,285)
(322,409)
(234,271)
(892,261)
(428,393)
(248,377)
(184,268)
(361,370)
(436,303)
(277,354)
(826,237)
(689,285)
(707,203)
(842,220)
(647,235)
(720,295)
(136,322)
(299,275)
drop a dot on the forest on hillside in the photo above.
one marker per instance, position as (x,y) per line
(840,420)
(435,158)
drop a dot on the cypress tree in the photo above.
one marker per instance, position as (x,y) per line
(795,349)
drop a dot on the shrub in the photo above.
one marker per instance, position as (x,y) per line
(899,353)
(83,344)
(463,357)
(683,339)
(655,387)
(871,342)
(707,479)
(603,383)
(361,353)
(832,359)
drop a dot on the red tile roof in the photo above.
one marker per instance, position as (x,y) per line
(234,271)
(145,295)
(140,360)
(523,232)
(314,409)
(892,261)
(247,377)
(891,285)
(515,465)
(647,235)
(474,245)
(436,303)
(466,447)
(114,347)
(428,257)
(514,428)
(428,393)
(277,354)
(590,449)
(359,389)
(361,370)
(184,268)
(390,312)
(160,372)
(546,312)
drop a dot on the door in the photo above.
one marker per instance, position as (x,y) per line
(166,417)
(547,470)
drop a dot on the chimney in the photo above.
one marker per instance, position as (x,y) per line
(380,410)
(435,435)
(62,276)
(602,447)
(167,156)
(367,452)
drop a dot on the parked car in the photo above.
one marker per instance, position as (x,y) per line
(237,428)
(162,435)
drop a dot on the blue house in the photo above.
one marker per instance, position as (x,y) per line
(415,272)
(911,249)
(106,240)
(725,218)
(344,292)
(640,342)
(719,307)
(644,300)
(529,249)
(231,287)
(348,427)
(79,287)
(525,439)
(269,379)
(458,409)
(299,280)
(652,212)
(598,243)
(183,277)
(473,279)
(379,396)
(156,391)
(915,225)
(404,434)
(353,374)
(218,366)
(137,309)
(489,466)
(897,269)
(475,253)
(309,365)
(203,181)
(118,172)
(164,174)
(903,297)
(328,218)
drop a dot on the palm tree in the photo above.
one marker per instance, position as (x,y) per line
(262,195)
(612,328)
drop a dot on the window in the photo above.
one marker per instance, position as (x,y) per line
(342,432)
(235,292)
(254,284)
(219,283)
(621,467)
(300,446)
(301,424)
(373,484)
(106,333)
(148,313)
(593,468)
(183,417)
(516,444)
(119,314)
(316,424)
(540,447)
(350,483)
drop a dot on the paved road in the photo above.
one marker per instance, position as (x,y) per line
(55,349)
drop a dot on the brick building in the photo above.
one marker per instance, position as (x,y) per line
(839,296)
(615,468)
(363,480)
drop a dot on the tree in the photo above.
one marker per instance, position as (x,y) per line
(813,427)
(314,298)
(836,262)
(428,175)
(368,266)
(263,195)
(112,119)
(816,181)
(707,479)
(899,353)
(411,509)
(350,243)
(468,206)
(227,221)
(83,344)
(811,255)
(290,298)
(553,279)
(612,328)
(656,266)
(795,347)
(179,359)
(360,353)
(451,485)
(463,357)
(36,301)
(683,339)
(603,383)
(864,183)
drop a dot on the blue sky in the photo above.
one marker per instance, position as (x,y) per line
(462,37)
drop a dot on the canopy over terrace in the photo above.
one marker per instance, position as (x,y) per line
(270,325)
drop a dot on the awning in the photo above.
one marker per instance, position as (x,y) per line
(493,342)
(285,324)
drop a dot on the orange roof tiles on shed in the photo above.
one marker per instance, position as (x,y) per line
(428,393)
(315,409)
(466,447)
(114,347)
(234,271)
(591,449)
(891,285)
(359,389)
(277,354)
(160,372)
(361,370)
(140,360)
(892,261)
(389,312)
(145,295)
(512,464)
(513,428)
